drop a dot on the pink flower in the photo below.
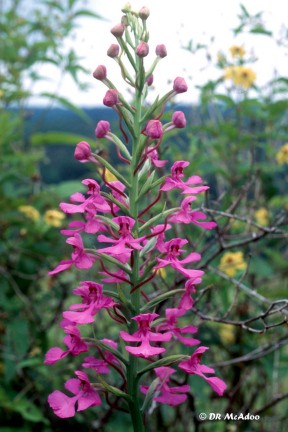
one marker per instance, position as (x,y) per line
(179,119)
(168,394)
(149,80)
(186,301)
(118,30)
(92,204)
(125,224)
(83,152)
(160,245)
(73,341)
(113,279)
(110,99)
(154,129)
(100,73)
(102,128)
(161,51)
(175,181)
(92,226)
(193,366)
(113,50)
(86,396)
(172,315)
(121,187)
(99,366)
(173,250)
(80,258)
(180,85)
(92,301)
(153,155)
(145,335)
(144,13)
(142,49)
(185,216)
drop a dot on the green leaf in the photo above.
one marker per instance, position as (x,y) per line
(244,10)
(150,394)
(56,138)
(160,298)
(27,409)
(163,362)
(64,189)
(84,12)
(261,30)
(63,101)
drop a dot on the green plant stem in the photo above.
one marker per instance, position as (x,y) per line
(132,368)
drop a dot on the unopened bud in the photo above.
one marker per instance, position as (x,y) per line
(103,127)
(161,51)
(126,8)
(111,98)
(82,151)
(113,50)
(124,20)
(142,49)
(118,30)
(144,13)
(154,129)
(149,80)
(100,73)
(180,85)
(179,119)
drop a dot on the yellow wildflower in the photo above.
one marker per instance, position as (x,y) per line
(109,177)
(227,333)
(30,212)
(162,272)
(231,262)
(54,218)
(282,155)
(240,75)
(261,216)
(237,51)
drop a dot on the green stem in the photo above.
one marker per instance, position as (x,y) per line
(132,368)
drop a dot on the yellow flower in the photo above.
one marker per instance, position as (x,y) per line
(54,218)
(227,333)
(240,75)
(237,51)
(262,216)
(162,272)
(109,177)
(282,155)
(30,212)
(231,262)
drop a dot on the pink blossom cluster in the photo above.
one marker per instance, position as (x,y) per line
(108,212)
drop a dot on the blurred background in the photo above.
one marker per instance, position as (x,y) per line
(234,59)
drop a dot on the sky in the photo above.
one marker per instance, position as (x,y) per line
(173,23)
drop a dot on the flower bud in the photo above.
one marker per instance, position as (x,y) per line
(111,98)
(179,119)
(100,73)
(124,20)
(118,30)
(144,13)
(113,50)
(149,80)
(126,8)
(161,51)
(103,127)
(82,151)
(142,49)
(180,85)
(154,129)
